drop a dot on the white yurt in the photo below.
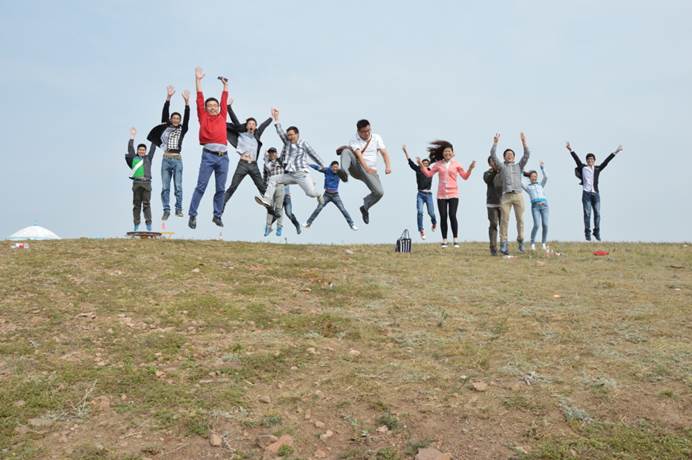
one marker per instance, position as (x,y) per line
(33,232)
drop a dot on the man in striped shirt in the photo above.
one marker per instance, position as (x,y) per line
(295,157)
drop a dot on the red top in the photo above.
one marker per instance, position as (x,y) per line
(212,128)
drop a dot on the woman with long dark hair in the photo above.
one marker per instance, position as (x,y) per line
(448,169)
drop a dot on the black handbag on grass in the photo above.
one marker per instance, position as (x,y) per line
(403,244)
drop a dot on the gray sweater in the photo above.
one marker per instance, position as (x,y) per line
(510,171)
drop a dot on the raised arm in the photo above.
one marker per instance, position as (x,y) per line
(279,130)
(493,149)
(165,114)
(545,176)
(411,164)
(199,75)
(317,168)
(575,157)
(466,174)
(313,154)
(263,126)
(224,98)
(131,142)
(610,157)
(231,113)
(186,112)
(525,156)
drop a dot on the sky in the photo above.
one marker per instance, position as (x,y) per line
(78,74)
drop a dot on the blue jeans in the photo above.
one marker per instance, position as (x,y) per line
(591,200)
(172,168)
(334,198)
(424,199)
(540,212)
(211,163)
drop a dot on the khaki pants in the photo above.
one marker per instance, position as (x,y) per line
(509,200)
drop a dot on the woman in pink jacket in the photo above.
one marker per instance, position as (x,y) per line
(444,164)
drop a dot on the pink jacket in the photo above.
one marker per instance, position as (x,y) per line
(447,183)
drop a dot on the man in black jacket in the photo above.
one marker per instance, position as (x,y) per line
(169,136)
(245,137)
(424,198)
(493,195)
(588,175)
(139,162)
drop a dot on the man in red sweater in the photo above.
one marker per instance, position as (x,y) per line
(212,137)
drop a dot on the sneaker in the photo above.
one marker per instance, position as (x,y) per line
(545,247)
(444,245)
(597,235)
(434,227)
(493,252)
(136,227)
(306,225)
(456,244)
(365,214)
(166,215)
(217,221)
(148,227)
(192,222)
(179,212)
(267,230)
(260,200)
(298,229)
(504,248)
(587,235)
(422,234)
(521,246)
(354,228)
(533,246)
(279,231)
(342,175)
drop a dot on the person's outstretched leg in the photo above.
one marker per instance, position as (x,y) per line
(586,205)
(350,163)
(372,181)
(596,204)
(178,186)
(220,176)
(505,208)
(167,171)
(442,208)
(205,171)
(545,213)
(305,181)
(316,212)
(431,208)
(536,214)
(453,206)
(340,205)
(288,209)
(256,176)
(493,223)
(238,176)
(146,205)
(420,202)
(519,216)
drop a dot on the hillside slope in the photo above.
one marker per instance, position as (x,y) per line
(149,349)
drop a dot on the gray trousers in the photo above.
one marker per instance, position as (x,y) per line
(350,163)
(302,178)
(278,207)
(141,200)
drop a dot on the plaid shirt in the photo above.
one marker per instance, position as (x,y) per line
(272,168)
(173,141)
(293,156)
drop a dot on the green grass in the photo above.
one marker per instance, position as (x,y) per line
(583,356)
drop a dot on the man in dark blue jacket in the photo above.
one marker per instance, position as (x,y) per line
(331,193)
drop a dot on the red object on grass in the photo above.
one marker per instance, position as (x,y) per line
(601,253)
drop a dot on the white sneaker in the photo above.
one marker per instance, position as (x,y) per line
(306,226)
(533,246)
(422,234)
(262,201)
(444,244)
(545,247)
(456,244)
(354,228)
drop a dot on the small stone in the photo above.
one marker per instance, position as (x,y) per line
(556,296)
(318,424)
(285,440)
(349,252)
(263,440)
(430,453)
(40,422)
(195,270)
(160,374)
(265,399)
(215,440)
(102,402)
(326,435)
(312,350)
(19,403)
(480,386)
(319,453)
(123,397)
(354,352)
(382,429)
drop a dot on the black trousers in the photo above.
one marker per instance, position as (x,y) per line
(141,198)
(448,207)
(244,169)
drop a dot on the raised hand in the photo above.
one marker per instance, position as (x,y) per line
(568,146)
(170,91)
(541,164)
(133,133)
(387,170)
(230,100)
(522,136)
(496,138)
(199,73)
(186,96)
(418,161)
(473,165)
(619,149)
(275,114)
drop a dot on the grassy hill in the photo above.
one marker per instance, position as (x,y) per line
(154,349)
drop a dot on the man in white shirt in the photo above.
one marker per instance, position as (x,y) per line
(359,158)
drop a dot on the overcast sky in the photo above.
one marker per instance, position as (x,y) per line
(77,74)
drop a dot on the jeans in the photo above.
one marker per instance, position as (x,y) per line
(540,212)
(141,198)
(278,207)
(494,222)
(507,202)
(591,200)
(425,199)
(350,163)
(172,168)
(243,169)
(334,198)
(302,178)
(448,207)
(210,163)
(288,208)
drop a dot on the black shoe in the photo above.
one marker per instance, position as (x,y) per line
(588,237)
(366,215)
(597,235)
(179,212)
(192,223)
(166,215)
(342,175)
(493,252)
(217,221)
(298,229)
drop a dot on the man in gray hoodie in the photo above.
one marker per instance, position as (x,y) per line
(510,177)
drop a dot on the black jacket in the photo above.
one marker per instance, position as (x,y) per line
(596,169)
(157,131)
(234,129)
(424,182)
(494,187)
(132,153)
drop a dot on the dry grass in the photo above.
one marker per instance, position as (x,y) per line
(140,349)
